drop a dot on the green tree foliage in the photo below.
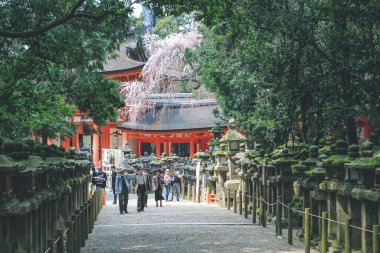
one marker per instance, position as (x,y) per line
(50,54)
(166,26)
(276,64)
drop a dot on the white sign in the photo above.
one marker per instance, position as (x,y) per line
(198,175)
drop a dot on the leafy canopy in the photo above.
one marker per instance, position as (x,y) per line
(50,56)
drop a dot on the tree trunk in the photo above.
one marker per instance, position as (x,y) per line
(304,106)
(352,137)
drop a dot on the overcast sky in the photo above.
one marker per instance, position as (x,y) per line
(137,10)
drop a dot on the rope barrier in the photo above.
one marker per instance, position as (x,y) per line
(297,211)
(311,214)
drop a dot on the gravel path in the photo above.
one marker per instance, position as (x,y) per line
(180,227)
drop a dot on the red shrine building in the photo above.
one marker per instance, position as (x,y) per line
(177,123)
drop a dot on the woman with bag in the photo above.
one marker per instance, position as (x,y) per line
(157,187)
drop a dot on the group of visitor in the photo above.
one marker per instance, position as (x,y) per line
(143,182)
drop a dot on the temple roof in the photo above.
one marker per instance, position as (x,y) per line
(176,114)
(122,62)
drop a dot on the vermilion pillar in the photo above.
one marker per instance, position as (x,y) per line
(125,137)
(95,149)
(65,143)
(75,141)
(192,147)
(167,148)
(158,148)
(138,148)
(366,129)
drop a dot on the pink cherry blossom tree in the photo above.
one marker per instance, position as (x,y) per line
(166,71)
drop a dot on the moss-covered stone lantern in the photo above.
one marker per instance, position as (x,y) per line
(232,138)
(221,167)
(352,174)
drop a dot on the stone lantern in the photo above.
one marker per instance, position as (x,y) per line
(221,158)
(221,168)
(217,130)
(366,173)
(352,174)
(233,139)
(377,179)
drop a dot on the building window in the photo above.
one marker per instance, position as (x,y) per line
(84,141)
(148,147)
(181,149)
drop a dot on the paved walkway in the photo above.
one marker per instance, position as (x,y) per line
(180,227)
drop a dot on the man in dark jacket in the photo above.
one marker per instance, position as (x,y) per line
(142,185)
(176,185)
(121,188)
(114,174)
(100,179)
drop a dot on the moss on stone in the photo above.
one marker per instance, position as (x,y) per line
(341,144)
(367,145)
(313,171)
(353,148)
(285,161)
(7,164)
(373,162)
(338,160)
(324,150)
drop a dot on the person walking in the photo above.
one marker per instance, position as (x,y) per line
(113,175)
(142,184)
(157,187)
(149,178)
(100,179)
(176,185)
(168,183)
(121,188)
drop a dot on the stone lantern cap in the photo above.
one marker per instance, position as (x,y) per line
(7,165)
(232,134)
(317,171)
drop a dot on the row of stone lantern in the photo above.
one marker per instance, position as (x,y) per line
(39,194)
(342,180)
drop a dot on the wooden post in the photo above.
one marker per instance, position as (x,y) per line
(60,247)
(263,213)
(188,191)
(83,224)
(278,217)
(77,230)
(324,233)
(235,204)
(290,223)
(228,199)
(70,236)
(254,209)
(240,203)
(375,239)
(307,230)
(347,236)
(183,190)
(51,245)
(91,216)
(87,220)
(245,205)
(199,194)
(96,206)
(224,198)
(193,193)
